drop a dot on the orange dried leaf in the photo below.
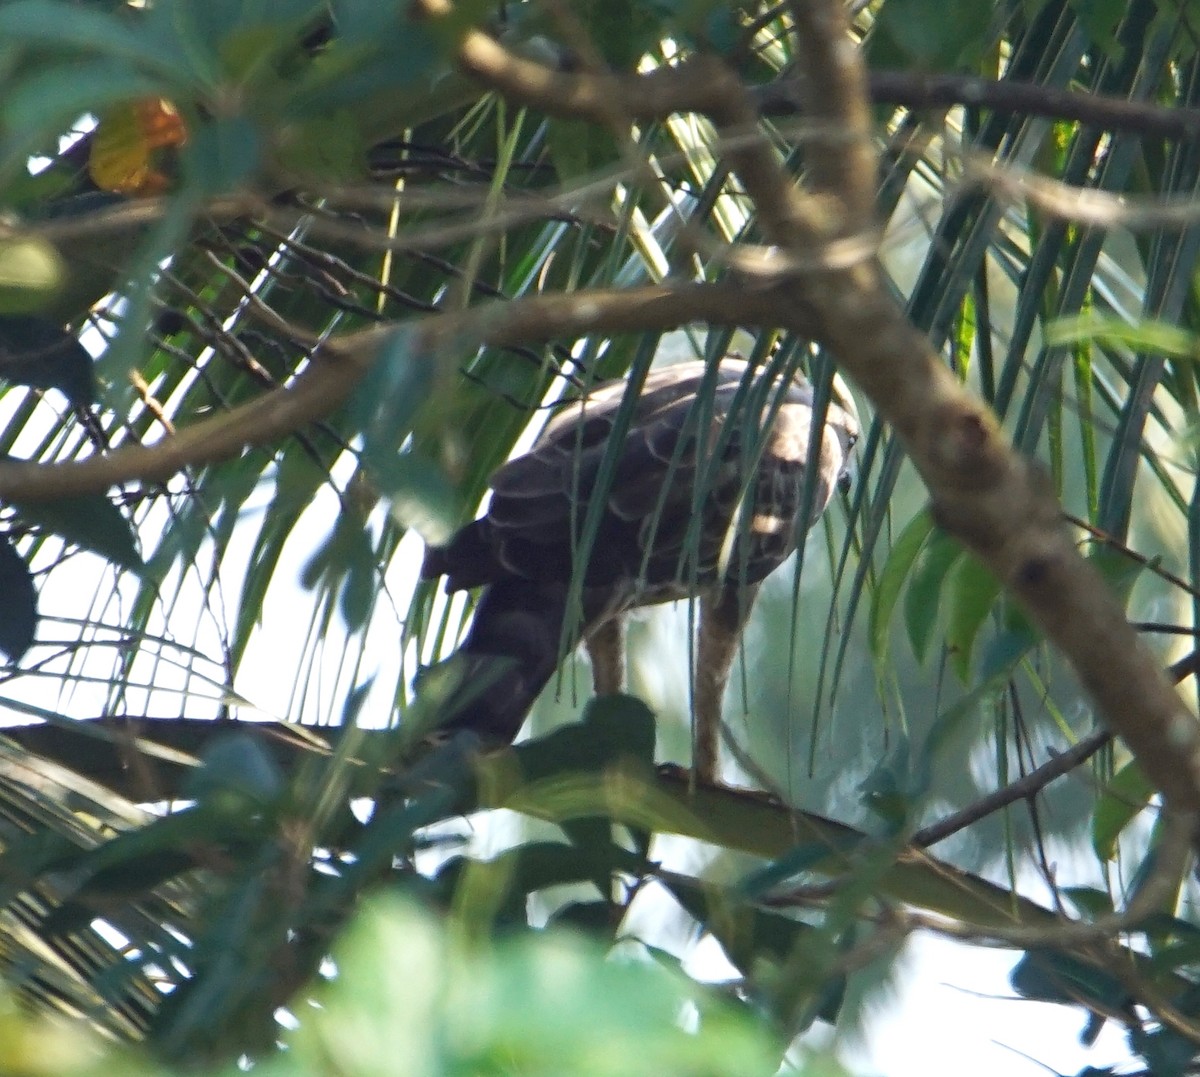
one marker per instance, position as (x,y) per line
(123,154)
(161,124)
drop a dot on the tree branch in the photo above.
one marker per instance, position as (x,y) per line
(984,493)
(1023,788)
(915,90)
(994,501)
(140,758)
(325,384)
(148,758)
(918,91)
(1004,510)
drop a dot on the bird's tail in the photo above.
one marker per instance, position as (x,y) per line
(510,653)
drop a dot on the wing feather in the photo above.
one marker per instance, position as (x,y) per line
(657,534)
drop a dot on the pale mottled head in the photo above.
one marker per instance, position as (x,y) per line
(842,419)
(843,413)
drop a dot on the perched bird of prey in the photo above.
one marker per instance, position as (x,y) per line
(694,489)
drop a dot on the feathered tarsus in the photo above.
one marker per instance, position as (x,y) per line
(694,489)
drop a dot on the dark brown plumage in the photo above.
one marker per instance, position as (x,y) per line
(694,491)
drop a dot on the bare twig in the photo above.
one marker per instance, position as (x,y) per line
(1033,782)
(1082,205)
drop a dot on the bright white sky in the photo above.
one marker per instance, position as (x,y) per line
(953,1013)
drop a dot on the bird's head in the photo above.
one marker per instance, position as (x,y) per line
(842,419)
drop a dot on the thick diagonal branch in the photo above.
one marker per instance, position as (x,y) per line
(322,387)
(984,493)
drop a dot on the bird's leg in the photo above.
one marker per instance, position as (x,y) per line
(606,648)
(723,615)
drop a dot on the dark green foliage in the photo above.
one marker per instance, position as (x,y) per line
(18,621)
(38,353)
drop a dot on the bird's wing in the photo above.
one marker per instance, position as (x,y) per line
(666,486)
(670,483)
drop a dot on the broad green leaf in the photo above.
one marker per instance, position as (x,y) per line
(420,493)
(384,407)
(613,728)
(37,352)
(1120,572)
(328,149)
(258,55)
(761,944)
(393,76)
(542,1002)
(49,101)
(1123,799)
(223,155)
(594,918)
(1144,335)
(715,25)
(1009,650)
(47,1046)
(973,592)
(916,33)
(895,574)
(90,521)
(622,30)
(31,273)
(579,149)
(33,191)
(66,26)
(1004,651)
(539,865)
(345,563)
(923,599)
(899,782)
(1100,18)
(236,765)
(1091,901)
(216,36)
(792,865)
(390,32)
(386,401)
